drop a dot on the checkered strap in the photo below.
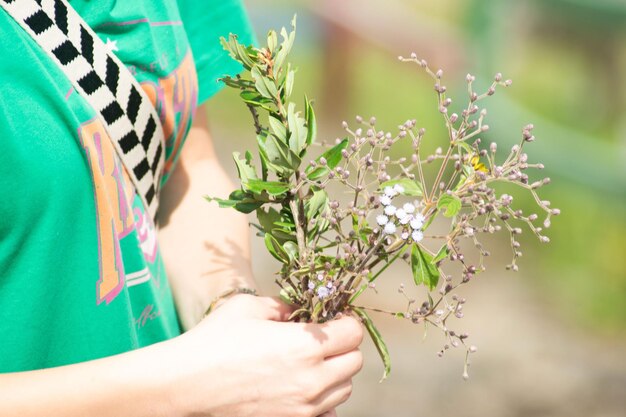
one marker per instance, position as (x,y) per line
(105,83)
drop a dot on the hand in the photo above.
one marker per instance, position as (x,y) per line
(244,360)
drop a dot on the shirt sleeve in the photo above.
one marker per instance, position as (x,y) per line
(205,22)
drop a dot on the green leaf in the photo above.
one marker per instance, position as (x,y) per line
(267,219)
(264,85)
(255,99)
(332,156)
(311,123)
(289,81)
(288,295)
(278,128)
(273,188)
(275,249)
(277,156)
(272,40)
(424,271)
(444,251)
(291,248)
(297,139)
(451,203)
(411,187)
(316,204)
(238,51)
(244,168)
(243,57)
(239,200)
(222,203)
(377,339)
(236,83)
(288,40)
(286,157)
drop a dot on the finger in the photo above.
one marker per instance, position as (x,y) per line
(331,413)
(338,336)
(333,398)
(343,367)
(251,307)
(272,308)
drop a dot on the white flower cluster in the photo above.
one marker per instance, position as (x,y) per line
(322,287)
(405,218)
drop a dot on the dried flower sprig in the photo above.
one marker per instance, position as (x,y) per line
(331,249)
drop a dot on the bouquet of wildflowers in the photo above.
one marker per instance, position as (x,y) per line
(331,249)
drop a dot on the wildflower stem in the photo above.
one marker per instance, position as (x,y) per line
(300,237)
(388,264)
(444,164)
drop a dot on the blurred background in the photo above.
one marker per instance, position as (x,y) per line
(551,338)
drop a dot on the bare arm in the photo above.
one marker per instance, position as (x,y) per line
(218,369)
(205,248)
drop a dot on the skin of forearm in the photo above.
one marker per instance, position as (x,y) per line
(205,248)
(131,384)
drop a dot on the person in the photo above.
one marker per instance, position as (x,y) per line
(101,306)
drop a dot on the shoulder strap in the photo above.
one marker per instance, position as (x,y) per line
(105,83)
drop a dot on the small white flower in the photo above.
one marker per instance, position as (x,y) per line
(390,228)
(320,277)
(404,235)
(390,192)
(406,219)
(385,200)
(382,220)
(390,210)
(416,223)
(322,292)
(311,285)
(420,217)
(409,208)
(400,214)
(417,236)
(398,188)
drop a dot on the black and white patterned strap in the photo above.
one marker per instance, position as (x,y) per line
(102,79)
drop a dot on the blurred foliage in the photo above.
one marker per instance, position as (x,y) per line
(568,62)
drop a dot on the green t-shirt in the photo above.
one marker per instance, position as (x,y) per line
(80,272)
